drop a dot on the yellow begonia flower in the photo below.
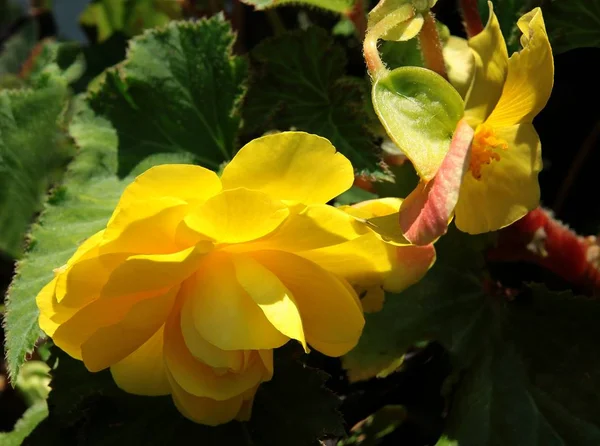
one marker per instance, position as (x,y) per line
(501,183)
(488,178)
(196,278)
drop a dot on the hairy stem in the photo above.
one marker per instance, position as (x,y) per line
(431,46)
(471,17)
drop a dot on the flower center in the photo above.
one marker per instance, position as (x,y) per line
(483,149)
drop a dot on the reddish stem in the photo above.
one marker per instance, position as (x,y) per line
(541,239)
(431,46)
(358,16)
(471,17)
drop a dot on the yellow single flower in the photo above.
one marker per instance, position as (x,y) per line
(196,278)
(501,184)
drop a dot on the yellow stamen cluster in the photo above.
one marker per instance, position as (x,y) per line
(483,149)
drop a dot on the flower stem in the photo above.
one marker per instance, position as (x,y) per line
(431,46)
(375,65)
(471,17)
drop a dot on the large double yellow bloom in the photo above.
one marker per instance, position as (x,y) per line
(501,183)
(197,278)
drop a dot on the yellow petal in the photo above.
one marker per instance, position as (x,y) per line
(267,358)
(44,301)
(143,371)
(491,61)
(110,344)
(145,227)
(273,297)
(245,412)
(82,323)
(186,182)
(367,261)
(236,216)
(315,226)
(200,348)
(530,75)
(82,282)
(224,314)
(459,63)
(143,272)
(381,217)
(508,188)
(294,166)
(204,410)
(379,207)
(199,379)
(329,310)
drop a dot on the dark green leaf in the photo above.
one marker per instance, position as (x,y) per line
(301,84)
(32,417)
(292,409)
(572,24)
(17,48)
(177,91)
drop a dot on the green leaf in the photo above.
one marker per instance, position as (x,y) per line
(31,150)
(17,49)
(301,84)
(32,417)
(419,110)
(572,24)
(131,17)
(77,209)
(58,60)
(341,6)
(177,91)
(292,409)
(373,430)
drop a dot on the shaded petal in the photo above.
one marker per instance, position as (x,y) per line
(330,312)
(145,227)
(381,217)
(201,380)
(185,182)
(373,299)
(491,62)
(273,297)
(204,410)
(459,63)
(224,314)
(203,350)
(425,213)
(530,75)
(110,344)
(146,272)
(143,371)
(46,304)
(236,216)
(294,166)
(508,188)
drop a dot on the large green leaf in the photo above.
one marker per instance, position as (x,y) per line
(293,409)
(419,110)
(526,370)
(301,84)
(342,6)
(30,150)
(572,24)
(77,209)
(177,91)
